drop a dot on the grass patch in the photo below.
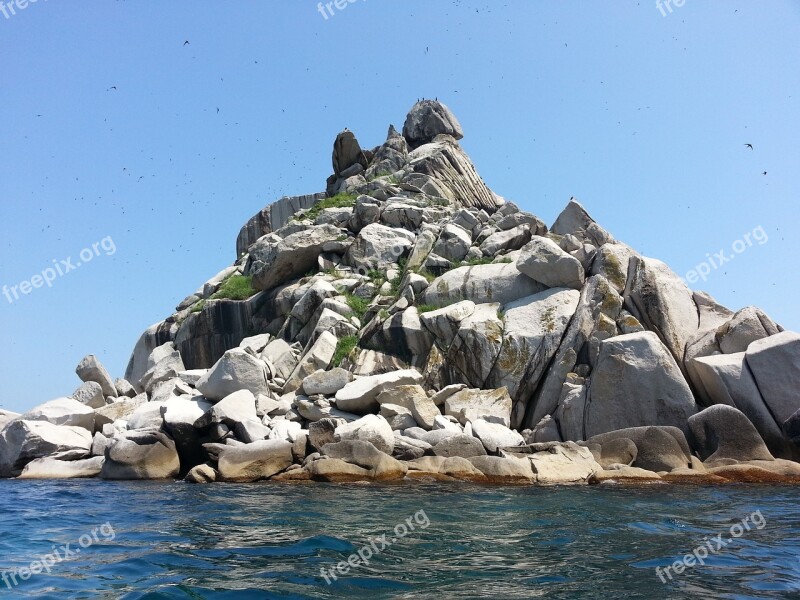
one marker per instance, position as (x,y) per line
(474,262)
(198,306)
(235,287)
(423,308)
(427,275)
(337,201)
(344,347)
(359,305)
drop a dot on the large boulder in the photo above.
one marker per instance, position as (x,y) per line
(453,244)
(500,282)
(564,464)
(361,396)
(495,436)
(636,381)
(91,369)
(318,355)
(721,433)
(326,383)
(378,246)
(654,448)
(121,409)
(662,302)
(414,398)
(532,331)
(347,153)
(476,346)
(598,308)
(372,428)
(91,394)
(726,379)
(381,466)
(141,454)
(465,446)
(23,441)
(775,364)
(544,261)
(252,462)
(63,411)
(471,405)
(274,260)
(426,120)
(238,407)
(50,468)
(504,470)
(236,370)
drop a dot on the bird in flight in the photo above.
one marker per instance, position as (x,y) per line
(113,87)
(186,43)
(764,173)
(749,146)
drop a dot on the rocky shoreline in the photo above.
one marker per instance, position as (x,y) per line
(408,324)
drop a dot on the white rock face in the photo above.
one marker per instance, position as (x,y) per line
(495,436)
(501,283)
(637,382)
(252,462)
(372,428)
(662,303)
(453,243)
(91,369)
(532,331)
(319,356)
(378,246)
(360,396)
(564,464)
(90,394)
(235,408)
(236,370)
(23,441)
(63,411)
(414,398)
(49,468)
(542,260)
(471,405)
(326,383)
(775,364)
(141,454)
(476,345)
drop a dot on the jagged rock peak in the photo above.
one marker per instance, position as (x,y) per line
(426,120)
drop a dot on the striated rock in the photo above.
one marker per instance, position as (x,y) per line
(272,218)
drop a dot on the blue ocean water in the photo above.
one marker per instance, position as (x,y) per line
(147,540)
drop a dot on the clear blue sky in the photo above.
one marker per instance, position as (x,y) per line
(642,117)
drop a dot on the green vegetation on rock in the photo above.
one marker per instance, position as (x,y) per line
(344,347)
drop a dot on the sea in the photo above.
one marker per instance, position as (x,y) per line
(172,540)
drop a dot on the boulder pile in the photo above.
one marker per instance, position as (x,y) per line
(409,323)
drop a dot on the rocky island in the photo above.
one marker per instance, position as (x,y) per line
(410,324)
